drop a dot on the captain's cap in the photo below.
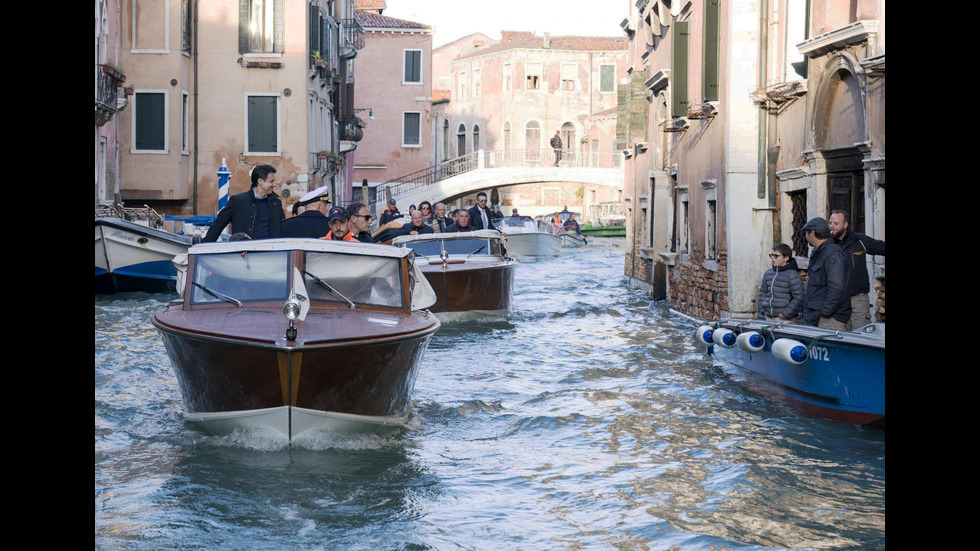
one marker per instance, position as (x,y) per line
(816,224)
(318,194)
(338,213)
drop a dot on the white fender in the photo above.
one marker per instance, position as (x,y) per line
(790,351)
(703,335)
(750,341)
(724,337)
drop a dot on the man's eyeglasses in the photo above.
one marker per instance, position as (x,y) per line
(366,217)
(775,255)
(481,200)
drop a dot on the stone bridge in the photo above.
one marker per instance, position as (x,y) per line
(483,170)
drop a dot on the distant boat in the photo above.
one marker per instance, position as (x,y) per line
(528,237)
(132,256)
(817,372)
(297,335)
(572,239)
(467,271)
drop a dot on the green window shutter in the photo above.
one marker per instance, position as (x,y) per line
(680,37)
(242,26)
(607,78)
(150,121)
(262,124)
(411,129)
(413,66)
(314,28)
(279,23)
(709,80)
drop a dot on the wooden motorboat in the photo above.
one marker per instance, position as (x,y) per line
(297,335)
(529,237)
(816,372)
(468,272)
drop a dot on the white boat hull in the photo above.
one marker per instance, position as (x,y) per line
(533,244)
(130,250)
(303,420)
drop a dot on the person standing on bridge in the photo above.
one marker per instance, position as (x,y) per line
(557,145)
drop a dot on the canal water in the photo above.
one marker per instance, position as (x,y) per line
(587,420)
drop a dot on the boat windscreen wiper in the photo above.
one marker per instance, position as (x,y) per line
(330,288)
(476,251)
(218,295)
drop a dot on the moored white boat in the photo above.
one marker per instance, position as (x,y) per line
(131,256)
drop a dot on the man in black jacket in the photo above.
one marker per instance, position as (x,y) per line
(480,216)
(857,247)
(256,212)
(462,223)
(312,222)
(827,302)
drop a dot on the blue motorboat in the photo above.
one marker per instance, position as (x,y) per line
(130,256)
(817,372)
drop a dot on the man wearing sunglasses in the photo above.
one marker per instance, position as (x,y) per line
(360,222)
(480,214)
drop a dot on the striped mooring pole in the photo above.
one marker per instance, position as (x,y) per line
(224,176)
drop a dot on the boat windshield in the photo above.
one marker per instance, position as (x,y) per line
(246,277)
(476,246)
(370,280)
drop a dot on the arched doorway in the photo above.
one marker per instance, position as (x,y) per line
(568,142)
(445,140)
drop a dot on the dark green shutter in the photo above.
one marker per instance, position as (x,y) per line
(262,124)
(413,66)
(680,37)
(709,80)
(150,122)
(411,129)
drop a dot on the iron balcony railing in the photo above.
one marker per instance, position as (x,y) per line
(350,128)
(106,98)
(351,35)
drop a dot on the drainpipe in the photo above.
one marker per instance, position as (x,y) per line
(763,78)
(194,64)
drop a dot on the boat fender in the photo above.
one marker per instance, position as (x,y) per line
(750,341)
(724,338)
(790,351)
(703,335)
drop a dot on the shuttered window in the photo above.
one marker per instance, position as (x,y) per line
(263,124)
(709,76)
(680,36)
(413,66)
(151,121)
(411,133)
(607,77)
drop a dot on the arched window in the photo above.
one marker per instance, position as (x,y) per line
(506,137)
(568,141)
(476,137)
(461,141)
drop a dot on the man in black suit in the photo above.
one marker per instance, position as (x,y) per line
(256,212)
(480,214)
(312,222)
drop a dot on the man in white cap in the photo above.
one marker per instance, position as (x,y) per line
(312,222)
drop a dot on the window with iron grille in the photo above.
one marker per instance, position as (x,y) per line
(607,77)
(798,212)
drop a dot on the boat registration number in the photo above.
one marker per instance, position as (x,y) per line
(820,353)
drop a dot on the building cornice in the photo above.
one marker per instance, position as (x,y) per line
(855,33)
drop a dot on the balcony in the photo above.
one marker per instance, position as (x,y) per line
(351,38)
(107,99)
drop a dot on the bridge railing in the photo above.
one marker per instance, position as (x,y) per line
(529,158)
(546,157)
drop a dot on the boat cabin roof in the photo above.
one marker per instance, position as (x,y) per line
(299,243)
(478,234)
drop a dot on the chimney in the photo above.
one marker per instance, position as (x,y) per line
(547,41)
